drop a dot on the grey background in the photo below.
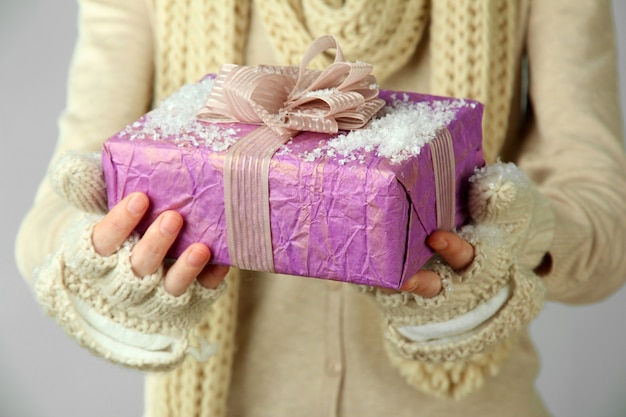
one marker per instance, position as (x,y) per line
(44,374)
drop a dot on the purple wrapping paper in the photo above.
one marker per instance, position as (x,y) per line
(364,221)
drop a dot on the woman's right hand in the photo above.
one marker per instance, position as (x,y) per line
(149,253)
(113,290)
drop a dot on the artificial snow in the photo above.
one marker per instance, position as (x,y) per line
(175,119)
(397,133)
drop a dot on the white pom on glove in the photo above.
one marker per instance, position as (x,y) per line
(449,344)
(99,301)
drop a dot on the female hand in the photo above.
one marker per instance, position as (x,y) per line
(455,250)
(149,253)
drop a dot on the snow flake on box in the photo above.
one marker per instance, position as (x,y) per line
(175,120)
(398,132)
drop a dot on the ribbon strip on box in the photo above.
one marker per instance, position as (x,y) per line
(344,96)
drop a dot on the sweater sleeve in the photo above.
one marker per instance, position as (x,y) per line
(109,86)
(574,145)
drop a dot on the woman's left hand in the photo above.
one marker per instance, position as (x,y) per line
(456,251)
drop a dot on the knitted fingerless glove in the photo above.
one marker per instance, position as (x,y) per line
(449,344)
(100,302)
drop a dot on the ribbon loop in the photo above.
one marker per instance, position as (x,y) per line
(296,99)
(318,46)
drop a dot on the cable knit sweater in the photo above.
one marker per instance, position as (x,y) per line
(306,347)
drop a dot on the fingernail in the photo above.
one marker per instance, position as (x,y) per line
(136,204)
(410,284)
(197,258)
(170,224)
(439,244)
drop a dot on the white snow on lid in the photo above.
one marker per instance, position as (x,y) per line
(175,118)
(398,132)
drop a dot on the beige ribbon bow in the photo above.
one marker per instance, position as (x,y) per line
(292,99)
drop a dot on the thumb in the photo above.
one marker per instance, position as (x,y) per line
(500,194)
(80,180)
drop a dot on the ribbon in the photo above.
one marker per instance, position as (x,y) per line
(283,101)
(442,155)
(288,100)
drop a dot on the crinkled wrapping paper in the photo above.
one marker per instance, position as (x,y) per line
(363,221)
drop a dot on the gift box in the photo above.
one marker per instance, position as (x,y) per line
(351,206)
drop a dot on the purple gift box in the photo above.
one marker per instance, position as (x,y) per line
(356,206)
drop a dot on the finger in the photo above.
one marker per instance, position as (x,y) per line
(148,254)
(186,268)
(117,225)
(213,275)
(455,250)
(424,283)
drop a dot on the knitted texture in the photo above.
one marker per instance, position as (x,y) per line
(88,196)
(501,201)
(102,304)
(473,50)
(365,29)
(200,388)
(533,219)
(454,379)
(194,37)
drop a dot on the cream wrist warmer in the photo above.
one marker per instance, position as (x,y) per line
(447,345)
(101,303)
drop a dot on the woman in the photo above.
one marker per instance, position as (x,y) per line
(555,114)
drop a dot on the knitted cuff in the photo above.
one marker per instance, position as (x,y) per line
(457,365)
(184,309)
(524,303)
(106,308)
(453,379)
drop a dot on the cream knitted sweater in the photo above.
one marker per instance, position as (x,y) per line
(180,37)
